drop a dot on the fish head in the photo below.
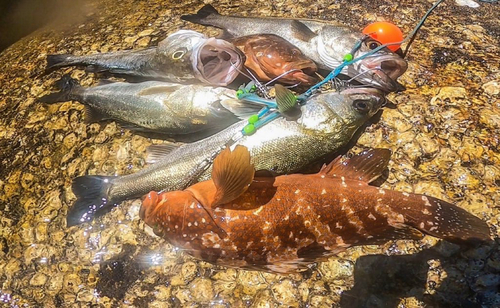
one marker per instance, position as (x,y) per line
(213,61)
(279,58)
(337,112)
(157,208)
(380,69)
(217,62)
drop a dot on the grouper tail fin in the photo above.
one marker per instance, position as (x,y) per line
(202,16)
(68,89)
(445,220)
(92,199)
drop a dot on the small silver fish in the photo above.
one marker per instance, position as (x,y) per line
(324,42)
(184,56)
(327,122)
(191,111)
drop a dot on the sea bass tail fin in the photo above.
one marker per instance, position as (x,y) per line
(445,220)
(67,86)
(55,61)
(202,15)
(92,199)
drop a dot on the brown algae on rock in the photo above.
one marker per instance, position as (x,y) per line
(444,135)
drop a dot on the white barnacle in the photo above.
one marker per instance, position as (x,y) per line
(191,206)
(203,220)
(371,216)
(406,194)
(426,212)
(189,224)
(196,223)
(176,226)
(297,191)
(323,191)
(286,217)
(338,226)
(381,191)
(421,225)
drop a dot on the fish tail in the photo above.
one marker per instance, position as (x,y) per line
(67,86)
(55,61)
(202,16)
(92,199)
(445,220)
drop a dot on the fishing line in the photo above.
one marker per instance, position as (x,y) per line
(413,34)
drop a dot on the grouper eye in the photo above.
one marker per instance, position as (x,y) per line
(362,105)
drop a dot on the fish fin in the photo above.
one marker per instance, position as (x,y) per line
(92,199)
(232,173)
(301,31)
(91,115)
(365,166)
(444,220)
(156,152)
(67,86)
(285,99)
(54,61)
(202,14)
(158,90)
(240,108)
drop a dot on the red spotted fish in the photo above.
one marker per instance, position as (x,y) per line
(270,56)
(184,56)
(282,224)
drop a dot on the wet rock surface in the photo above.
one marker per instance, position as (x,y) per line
(444,132)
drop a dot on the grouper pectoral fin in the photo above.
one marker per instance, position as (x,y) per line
(366,166)
(232,173)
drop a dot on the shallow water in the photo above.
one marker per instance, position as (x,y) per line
(444,132)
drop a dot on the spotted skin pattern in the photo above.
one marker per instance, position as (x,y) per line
(285,223)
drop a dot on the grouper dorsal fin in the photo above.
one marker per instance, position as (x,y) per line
(301,31)
(365,166)
(232,173)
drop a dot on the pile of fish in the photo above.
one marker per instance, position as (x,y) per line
(186,89)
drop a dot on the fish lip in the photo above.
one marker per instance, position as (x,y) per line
(217,62)
(385,70)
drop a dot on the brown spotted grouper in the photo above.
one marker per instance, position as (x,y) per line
(282,224)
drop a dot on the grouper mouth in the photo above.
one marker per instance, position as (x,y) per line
(381,71)
(217,62)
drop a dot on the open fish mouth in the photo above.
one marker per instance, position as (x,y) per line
(381,71)
(217,62)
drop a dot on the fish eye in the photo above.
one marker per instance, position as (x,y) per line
(373,44)
(362,105)
(178,54)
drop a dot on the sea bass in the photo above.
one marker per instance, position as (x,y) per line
(269,56)
(184,56)
(190,111)
(323,42)
(328,120)
(282,224)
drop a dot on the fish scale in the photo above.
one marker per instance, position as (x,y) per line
(328,121)
(282,224)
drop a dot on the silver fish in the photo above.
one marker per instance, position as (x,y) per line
(192,111)
(327,122)
(323,42)
(184,56)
